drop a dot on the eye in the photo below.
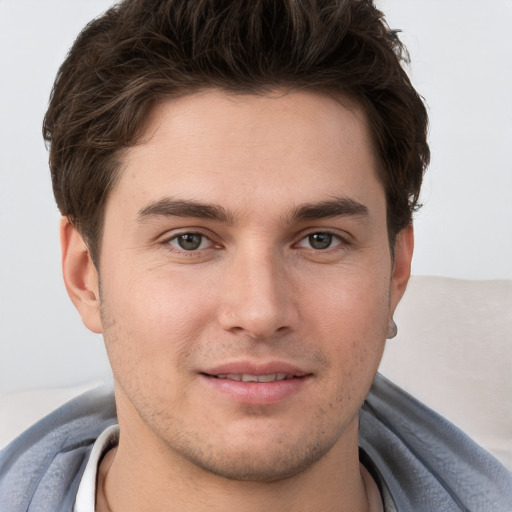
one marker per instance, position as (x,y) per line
(320,241)
(190,241)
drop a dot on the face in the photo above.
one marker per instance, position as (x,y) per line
(246,282)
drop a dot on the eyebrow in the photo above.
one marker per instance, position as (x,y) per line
(170,207)
(336,207)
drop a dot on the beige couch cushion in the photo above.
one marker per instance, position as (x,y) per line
(454,352)
(20,410)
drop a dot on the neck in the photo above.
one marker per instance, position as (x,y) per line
(130,477)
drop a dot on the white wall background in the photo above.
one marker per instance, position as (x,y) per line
(461,63)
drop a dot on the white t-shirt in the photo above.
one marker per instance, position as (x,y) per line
(86,496)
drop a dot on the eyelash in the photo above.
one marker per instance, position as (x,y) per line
(182,251)
(341,241)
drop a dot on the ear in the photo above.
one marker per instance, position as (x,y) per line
(404,247)
(80,276)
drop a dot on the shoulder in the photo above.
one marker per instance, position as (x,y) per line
(43,466)
(426,462)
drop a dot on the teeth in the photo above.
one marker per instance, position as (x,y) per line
(249,378)
(255,378)
(267,378)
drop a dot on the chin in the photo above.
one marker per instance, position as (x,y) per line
(269,461)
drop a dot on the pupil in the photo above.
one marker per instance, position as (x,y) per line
(190,241)
(320,240)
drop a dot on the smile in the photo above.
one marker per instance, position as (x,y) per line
(273,377)
(250,384)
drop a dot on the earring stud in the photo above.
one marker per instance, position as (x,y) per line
(392,330)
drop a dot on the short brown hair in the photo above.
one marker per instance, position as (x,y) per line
(142,51)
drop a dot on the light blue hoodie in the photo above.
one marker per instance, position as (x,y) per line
(421,462)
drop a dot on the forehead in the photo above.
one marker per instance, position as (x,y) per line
(217,147)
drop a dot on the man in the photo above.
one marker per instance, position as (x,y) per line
(237,187)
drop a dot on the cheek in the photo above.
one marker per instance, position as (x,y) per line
(356,299)
(151,323)
(352,319)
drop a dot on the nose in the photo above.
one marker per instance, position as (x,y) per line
(258,299)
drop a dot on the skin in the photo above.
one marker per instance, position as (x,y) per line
(257,291)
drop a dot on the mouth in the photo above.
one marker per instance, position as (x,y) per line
(245,377)
(253,384)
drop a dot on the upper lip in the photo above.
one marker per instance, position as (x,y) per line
(254,368)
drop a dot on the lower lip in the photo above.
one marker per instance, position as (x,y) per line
(257,393)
